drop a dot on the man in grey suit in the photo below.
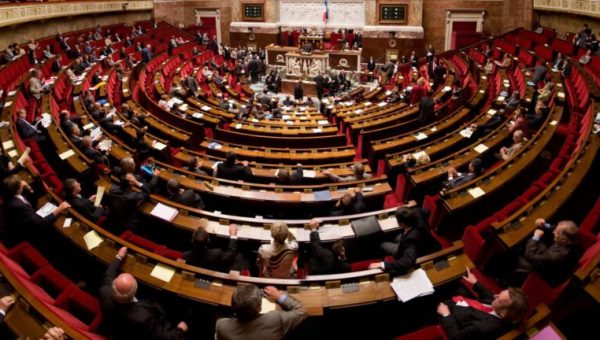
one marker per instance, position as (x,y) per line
(248,323)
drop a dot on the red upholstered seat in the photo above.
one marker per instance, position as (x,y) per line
(80,309)
(27,257)
(428,333)
(51,280)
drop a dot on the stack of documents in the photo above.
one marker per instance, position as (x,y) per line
(412,285)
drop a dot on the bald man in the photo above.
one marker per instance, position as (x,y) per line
(126,317)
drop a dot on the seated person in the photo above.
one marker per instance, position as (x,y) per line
(485,318)
(85,206)
(456,178)
(545,92)
(127,166)
(322,260)
(28,130)
(535,120)
(350,203)
(90,150)
(233,171)
(358,173)
(415,240)
(186,197)
(123,203)
(195,164)
(249,323)
(518,142)
(212,258)
(164,102)
(284,176)
(552,251)
(519,122)
(513,101)
(20,205)
(282,240)
(489,66)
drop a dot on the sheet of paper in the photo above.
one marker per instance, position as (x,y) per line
(359,111)
(323,122)
(382,104)
(481,148)
(205,108)
(197,115)
(105,144)
(238,126)
(317,130)
(309,173)
(388,223)
(554,122)
(159,146)
(420,136)
(412,285)
(66,154)
(467,133)
(267,306)
(162,272)
(8,104)
(46,210)
(13,153)
(9,144)
(491,112)
(164,211)
(67,222)
(92,239)
(88,126)
(99,195)
(476,192)
(301,234)
(446,89)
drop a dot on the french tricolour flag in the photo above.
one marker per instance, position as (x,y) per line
(326,10)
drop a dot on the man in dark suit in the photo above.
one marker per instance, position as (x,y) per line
(28,130)
(123,203)
(233,171)
(456,179)
(284,176)
(22,222)
(350,203)
(147,53)
(486,318)
(371,64)
(126,317)
(186,197)
(320,85)
(552,251)
(322,260)
(298,91)
(426,110)
(192,85)
(72,190)
(56,66)
(7,167)
(213,258)
(415,240)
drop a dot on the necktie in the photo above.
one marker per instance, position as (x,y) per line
(473,304)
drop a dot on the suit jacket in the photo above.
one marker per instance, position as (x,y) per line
(459,180)
(213,259)
(322,260)
(412,244)
(273,325)
(85,207)
(146,55)
(555,262)
(426,108)
(371,65)
(471,323)
(189,198)
(26,130)
(298,92)
(235,172)
(356,207)
(134,320)
(123,206)
(22,222)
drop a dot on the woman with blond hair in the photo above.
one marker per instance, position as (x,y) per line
(277,258)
